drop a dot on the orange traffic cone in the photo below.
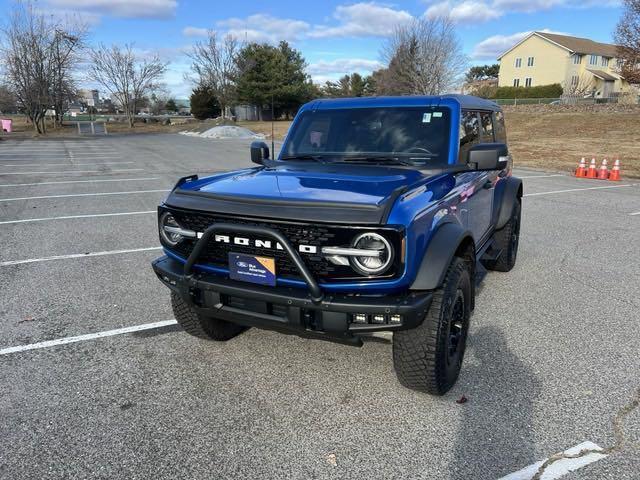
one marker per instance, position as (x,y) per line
(603,172)
(581,171)
(591,173)
(615,172)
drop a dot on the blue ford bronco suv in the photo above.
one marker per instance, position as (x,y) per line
(380,214)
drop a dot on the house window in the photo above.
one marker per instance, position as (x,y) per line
(518,62)
(619,63)
(593,60)
(527,82)
(605,62)
(574,81)
(530,62)
(516,82)
(577,58)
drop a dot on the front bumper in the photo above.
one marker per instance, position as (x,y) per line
(290,310)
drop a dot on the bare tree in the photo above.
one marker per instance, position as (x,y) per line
(39,55)
(25,55)
(126,78)
(8,101)
(65,48)
(424,57)
(627,36)
(214,66)
(579,85)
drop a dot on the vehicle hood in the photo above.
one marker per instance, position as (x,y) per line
(314,192)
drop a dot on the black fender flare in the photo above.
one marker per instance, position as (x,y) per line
(438,255)
(507,192)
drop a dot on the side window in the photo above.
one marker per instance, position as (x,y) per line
(469,133)
(499,129)
(486,127)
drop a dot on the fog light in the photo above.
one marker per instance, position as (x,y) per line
(378,319)
(395,318)
(360,318)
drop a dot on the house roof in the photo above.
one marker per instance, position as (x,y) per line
(602,75)
(572,44)
(581,45)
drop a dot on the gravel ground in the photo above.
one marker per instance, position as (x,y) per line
(552,358)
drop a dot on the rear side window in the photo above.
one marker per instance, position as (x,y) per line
(469,133)
(486,127)
(499,129)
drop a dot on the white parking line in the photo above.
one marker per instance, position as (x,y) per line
(59,164)
(577,190)
(635,213)
(560,467)
(76,255)
(75,171)
(89,336)
(79,181)
(69,217)
(544,176)
(80,195)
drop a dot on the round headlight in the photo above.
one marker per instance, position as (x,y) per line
(170,238)
(381,254)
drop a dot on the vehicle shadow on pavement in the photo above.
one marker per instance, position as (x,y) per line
(496,435)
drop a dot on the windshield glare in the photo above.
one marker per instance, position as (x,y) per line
(406,134)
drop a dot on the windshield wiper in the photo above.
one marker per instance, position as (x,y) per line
(315,158)
(374,159)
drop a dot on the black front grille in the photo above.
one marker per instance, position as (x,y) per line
(216,253)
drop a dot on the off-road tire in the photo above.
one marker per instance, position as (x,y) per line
(422,355)
(201,326)
(507,239)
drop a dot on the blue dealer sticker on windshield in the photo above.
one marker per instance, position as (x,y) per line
(250,268)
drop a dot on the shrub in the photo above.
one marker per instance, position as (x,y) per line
(542,91)
(204,103)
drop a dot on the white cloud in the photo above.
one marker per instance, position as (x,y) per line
(466,11)
(362,19)
(120,8)
(528,6)
(194,32)
(491,47)
(264,28)
(343,66)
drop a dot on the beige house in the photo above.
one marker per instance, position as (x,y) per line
(581,66)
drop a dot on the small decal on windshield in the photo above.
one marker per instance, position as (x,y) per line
(315,138)
(426,118)
(437,114)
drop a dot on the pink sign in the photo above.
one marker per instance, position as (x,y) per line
(6,125)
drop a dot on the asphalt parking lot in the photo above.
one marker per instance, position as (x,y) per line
(552,361)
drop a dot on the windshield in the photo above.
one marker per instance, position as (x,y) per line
(408,135)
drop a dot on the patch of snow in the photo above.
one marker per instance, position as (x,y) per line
(225,131)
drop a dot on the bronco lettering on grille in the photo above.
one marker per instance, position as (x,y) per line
(245,242)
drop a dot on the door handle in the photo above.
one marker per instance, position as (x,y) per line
(488,184)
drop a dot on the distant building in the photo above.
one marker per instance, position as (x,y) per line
(90,97)
(579,65)
(184,106)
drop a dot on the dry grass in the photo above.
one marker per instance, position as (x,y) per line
(280,128)
(556,140)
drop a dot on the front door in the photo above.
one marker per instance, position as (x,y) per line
(608,89)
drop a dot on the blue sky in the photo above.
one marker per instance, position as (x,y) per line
(336,37)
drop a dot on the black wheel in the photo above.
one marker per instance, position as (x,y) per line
(200,326)
(428,358)
(506,239)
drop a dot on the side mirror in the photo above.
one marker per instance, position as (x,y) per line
(259,152)
(489,156)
